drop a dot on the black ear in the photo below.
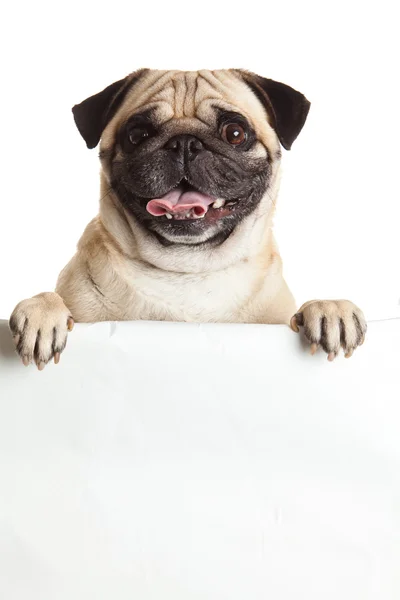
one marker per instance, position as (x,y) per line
(93,114)
(287,108)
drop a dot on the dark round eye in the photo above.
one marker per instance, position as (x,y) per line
(137,135)
(234,134)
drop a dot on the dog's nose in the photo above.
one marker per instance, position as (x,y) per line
(187,147)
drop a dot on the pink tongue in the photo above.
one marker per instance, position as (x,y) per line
(177,201)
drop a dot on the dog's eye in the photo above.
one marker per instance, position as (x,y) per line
(134,133)
(234,134)
(137,135)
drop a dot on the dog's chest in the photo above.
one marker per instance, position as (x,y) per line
(217,296)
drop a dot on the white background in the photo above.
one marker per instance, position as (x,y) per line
(255,484)
(338,214)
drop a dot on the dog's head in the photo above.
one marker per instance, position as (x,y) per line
(191,154)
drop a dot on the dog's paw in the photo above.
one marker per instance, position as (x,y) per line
(331,324)
(40,327)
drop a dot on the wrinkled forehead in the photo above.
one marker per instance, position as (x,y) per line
(190,97)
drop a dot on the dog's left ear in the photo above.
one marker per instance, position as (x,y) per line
(287,107)
(93,114)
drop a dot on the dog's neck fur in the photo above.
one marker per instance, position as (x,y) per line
(248,240)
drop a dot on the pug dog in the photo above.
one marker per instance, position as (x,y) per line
(190,169)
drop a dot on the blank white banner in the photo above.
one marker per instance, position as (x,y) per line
(200,462)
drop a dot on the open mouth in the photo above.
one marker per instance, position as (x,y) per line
(185,203)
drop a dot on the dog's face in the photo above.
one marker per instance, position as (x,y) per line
(191,154)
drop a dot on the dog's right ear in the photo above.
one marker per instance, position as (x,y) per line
(93,114)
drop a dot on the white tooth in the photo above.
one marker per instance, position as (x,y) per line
(188,214)
(200,216)
(219,203)
(168,216)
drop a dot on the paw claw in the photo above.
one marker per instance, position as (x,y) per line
(40,326)
(293,324)
(331,324)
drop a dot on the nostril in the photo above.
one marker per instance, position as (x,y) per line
(173,144)
(195,146)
